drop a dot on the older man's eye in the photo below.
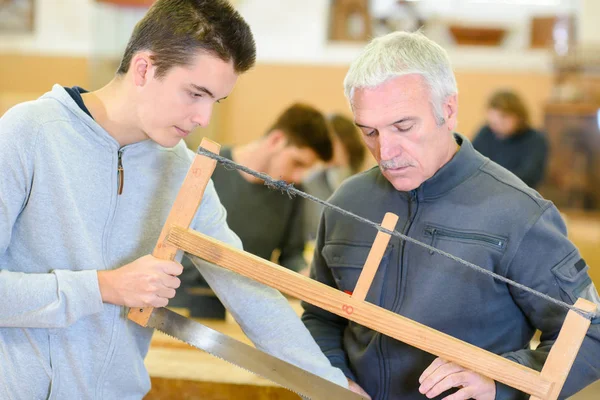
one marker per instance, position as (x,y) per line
(404,128)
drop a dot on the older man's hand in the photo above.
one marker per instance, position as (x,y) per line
(442,375)
(355,387)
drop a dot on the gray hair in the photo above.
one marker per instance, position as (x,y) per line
(404,53)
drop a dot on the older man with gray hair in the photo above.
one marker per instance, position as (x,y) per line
(404,98)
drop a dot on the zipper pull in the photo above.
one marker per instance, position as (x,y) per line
(120,174)
(413,194)
(433,232)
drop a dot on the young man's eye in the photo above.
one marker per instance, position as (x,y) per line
(195,95)
(370,133)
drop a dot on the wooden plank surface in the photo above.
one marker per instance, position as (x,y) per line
(185,389)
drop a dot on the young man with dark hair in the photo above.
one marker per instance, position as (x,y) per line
(76,231)
(268,222)
(265,219)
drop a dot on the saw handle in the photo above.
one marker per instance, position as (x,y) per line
(182,213)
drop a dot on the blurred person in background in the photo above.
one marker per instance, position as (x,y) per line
(348,158)
(509,140)
(268,222)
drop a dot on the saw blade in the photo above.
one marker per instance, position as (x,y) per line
(247,357)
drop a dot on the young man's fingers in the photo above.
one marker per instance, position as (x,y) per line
(166,293)
(171,282)
(172,268)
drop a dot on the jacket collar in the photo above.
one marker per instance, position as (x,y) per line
(465,163)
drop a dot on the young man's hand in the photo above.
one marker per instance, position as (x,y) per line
(146,282)
(442,375)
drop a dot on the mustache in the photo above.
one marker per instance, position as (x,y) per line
(395,163)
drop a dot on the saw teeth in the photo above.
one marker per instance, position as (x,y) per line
(231,363)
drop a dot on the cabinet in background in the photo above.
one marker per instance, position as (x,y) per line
(573,172)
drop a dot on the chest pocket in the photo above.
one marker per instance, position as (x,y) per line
(437,233)
(346,262)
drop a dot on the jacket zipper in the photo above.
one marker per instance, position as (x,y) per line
(120,173)
(438,232)
(112,343)
(412,199)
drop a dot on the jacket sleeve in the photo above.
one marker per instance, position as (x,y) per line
(327,328)
(47,300)
(549,263)
(264,315)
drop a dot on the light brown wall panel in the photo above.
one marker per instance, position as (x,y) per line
(267,89)
(33,73)
(475,87)
(26,77)
(262,93)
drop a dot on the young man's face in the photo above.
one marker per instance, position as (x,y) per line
(401,131)
(183,99)
(286,161)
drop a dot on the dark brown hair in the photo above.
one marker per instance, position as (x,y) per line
(175,30)
(510,103)
(305,126)
(345,130)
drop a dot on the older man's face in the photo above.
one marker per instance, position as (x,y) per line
(401,131)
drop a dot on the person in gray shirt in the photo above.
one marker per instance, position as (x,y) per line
(269,223)
(267,220)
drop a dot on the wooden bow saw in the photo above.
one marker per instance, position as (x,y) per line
(176,236)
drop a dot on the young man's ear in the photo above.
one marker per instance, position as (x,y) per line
(276,139)
(141,68)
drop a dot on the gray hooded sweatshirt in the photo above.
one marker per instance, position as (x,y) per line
(62,220)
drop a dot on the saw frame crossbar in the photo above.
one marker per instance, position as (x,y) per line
(176,236)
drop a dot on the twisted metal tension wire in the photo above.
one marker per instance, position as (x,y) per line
(289,188)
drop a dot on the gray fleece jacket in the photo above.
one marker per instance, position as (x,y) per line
(61,220)
(478,211)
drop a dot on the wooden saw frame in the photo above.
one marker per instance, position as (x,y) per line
(176,236)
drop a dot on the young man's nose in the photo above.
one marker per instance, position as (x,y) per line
(202,115)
